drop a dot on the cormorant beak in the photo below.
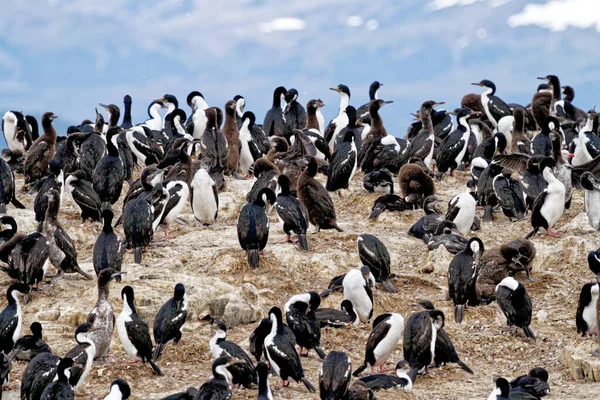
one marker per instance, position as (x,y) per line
(542,78)
(388,102)
(439,104)
(477,84)
(452,112)
(335,89)
(118,273)
(26,298)
(103,106)
(52,118)
(321,104)
(359,122)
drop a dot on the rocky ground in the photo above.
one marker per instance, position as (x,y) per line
(209,261)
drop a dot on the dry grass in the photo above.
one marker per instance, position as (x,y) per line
(204,253)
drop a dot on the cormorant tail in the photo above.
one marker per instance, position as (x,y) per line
(532,233)
(320,352)
(308,385)
(528,332)
(360,369)
(302,241)
(459,312)
(17,203)
(155,369)
(157,351)
(253,258)
(138,255)
(465,367)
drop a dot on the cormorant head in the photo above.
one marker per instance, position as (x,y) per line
(36,329)
(190,98)
(127,99)
(179,292)
(373,89)
(119,386)
(502,387)
(111,109)
(486,83)
(437,318)
(219,326)
(500,143)
(430,105)
(341,89)
(17,289)
(547,162)
(230,105)
(47,118)
(291,95)
(168,99)
(539,373)
(127,294)
(315,103)
(107,275)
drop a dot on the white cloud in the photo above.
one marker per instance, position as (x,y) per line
(283,24)
(558,15)
(436,5)
(372,25)
(355,20)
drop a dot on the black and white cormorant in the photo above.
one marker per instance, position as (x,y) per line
(501,390)
(38,374)
(300,317)
(108,249)
(281,353)
(249,150)
(341,121)
(542,144)
(426,226)
(133,331)
(240,105)
(461,211)
(102,316)
(316,199)
(190,394)
(510,195)
(11,318)
(7,191)
(586,318)
(385,336)
(342,166)
(253,226)
(454,147)
(63,254)
(495,108)
(168,323)
(357,286)
(377,382)
(82,194)
(363,111)
(61,389)
(445,353)
(532,180)
(178,192)
(142,146)
(549,206)
(420,335)
(530,386)
(242,373)
(373,253)
(380,150)
(515,303)
(119,390)
(82,355)
(379,181)
(204,197)
(109,173)
(15,133)
(219,386)
(351,127)
(264,391)
(29,346)
(588,143)
(334,376)
(67,151)
(591,184)
(27,257)
(273,124)
(41,151)
(138,217)
(197,122)
(337,318)
(54,180)
(389,202)
(292,212)
(462,277)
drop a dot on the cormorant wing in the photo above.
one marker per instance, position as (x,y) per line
(517,162)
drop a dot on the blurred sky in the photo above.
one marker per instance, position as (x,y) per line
(67,56)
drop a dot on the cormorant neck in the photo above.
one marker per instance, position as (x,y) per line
(425,115)
(344,101)
(82,338)
(103,291)
(111,146)
(127,115)
(556,150)
(49,130)
(311,119)
(377,122)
